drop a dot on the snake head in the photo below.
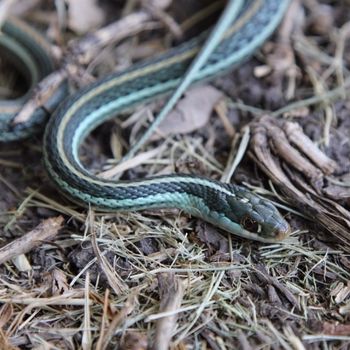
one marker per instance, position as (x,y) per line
(258,218)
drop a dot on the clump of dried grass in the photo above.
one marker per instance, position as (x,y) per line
(134,280)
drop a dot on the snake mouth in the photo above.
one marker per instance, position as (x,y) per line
(275,236)
(264,232)
(280,232)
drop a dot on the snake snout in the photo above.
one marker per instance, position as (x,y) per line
(282,230)
(273,224)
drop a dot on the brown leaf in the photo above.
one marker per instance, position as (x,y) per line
(192,112)
(59,282)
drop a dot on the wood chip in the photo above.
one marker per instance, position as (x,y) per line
(171,291)
(84,15)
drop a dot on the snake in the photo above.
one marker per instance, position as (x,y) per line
(228,206)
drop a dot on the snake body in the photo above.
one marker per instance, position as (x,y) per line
(227,206)
(31,54)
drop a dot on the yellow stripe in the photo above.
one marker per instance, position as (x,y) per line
(133,75)
(103,87)
(10,109)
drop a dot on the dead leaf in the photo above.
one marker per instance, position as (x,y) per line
(84,15)
(192,112)
(59,282)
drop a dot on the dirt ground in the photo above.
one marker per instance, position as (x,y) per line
(96,280)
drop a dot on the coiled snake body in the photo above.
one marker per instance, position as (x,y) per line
(228,206)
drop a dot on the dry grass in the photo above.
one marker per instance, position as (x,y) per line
(138,280)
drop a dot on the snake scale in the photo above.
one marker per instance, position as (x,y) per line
(228,206)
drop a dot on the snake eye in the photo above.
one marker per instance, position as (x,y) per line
(250,224)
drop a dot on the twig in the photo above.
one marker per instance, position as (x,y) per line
(45,231)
